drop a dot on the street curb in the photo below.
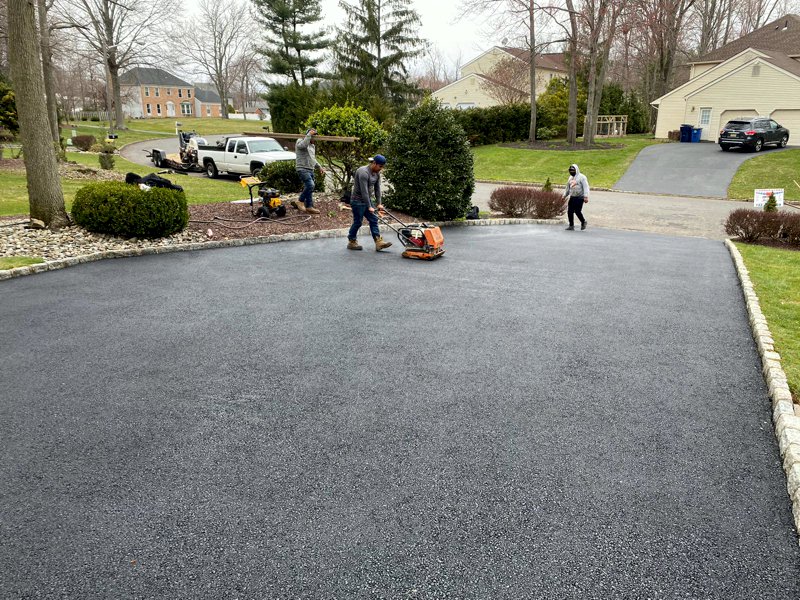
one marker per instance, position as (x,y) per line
(267,239)
(785,415)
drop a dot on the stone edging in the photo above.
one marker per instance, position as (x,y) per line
(784,413)
(267,239)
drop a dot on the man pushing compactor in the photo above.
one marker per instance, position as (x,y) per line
(366,182)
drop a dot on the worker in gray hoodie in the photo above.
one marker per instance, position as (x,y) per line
(366,184)
(578,193)
(306,162)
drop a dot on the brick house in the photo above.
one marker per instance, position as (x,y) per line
(150,93)
(206,101)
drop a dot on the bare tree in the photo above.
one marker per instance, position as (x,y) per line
(714,21)
(435,71)
(247,73)
(45,197)
(507,82)
(753,14)
(219,40)
(114,29)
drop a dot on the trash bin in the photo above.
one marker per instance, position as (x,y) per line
(686,132)
(696,133)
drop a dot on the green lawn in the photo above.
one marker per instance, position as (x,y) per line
(199,190)
(140,130)
(11,262)
(776,278)
(602,167)
(770,170)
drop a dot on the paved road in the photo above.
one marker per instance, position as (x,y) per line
(539,414)
(137,152)
(684,170)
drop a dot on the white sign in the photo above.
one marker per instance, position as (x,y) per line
(761,196)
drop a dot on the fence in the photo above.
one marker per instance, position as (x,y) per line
(93,115)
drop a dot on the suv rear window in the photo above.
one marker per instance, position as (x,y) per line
(737,125)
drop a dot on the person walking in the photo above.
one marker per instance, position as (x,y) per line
(367,182)
(305,163)
(578,193)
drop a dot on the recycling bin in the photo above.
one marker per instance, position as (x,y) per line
(686,132)
(696,133)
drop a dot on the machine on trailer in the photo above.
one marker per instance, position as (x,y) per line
(421,241)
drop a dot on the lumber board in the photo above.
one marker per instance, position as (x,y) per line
(297,136)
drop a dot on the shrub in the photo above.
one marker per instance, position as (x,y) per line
(790,231)
(94,118)
(548,204)
(548,186)
(430,164)
(127,211)
(513,201)
(106,161)
(509,123)
(545,133)
(84,142)
(283,176)
(771,204)
(103,147)
(343,158)
(745,224)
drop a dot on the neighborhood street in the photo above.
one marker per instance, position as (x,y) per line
(538,414)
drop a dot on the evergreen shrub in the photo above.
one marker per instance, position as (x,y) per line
(106,161)
(430,164)
(283,176)
(509,123)
(84,142)
(125,210)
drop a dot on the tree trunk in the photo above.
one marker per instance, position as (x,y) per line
(532,33)
(45,197)
(572,108)
(47,71)
(119,117)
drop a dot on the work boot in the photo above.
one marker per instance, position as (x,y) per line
(571,228)
(353,245)
(298,206)
(583,225)
(311,210)
(380,244)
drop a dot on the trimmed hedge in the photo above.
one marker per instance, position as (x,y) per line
(84,142)
(510,123)
(753,225)
(524,201)
(282,175)
(127,211)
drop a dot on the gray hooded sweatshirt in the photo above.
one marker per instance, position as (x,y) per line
(577,185)
(306,154)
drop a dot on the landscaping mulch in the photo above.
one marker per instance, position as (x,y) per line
(560,145)
(234,221)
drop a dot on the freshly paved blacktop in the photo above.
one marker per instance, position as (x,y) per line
(684,170)
(539,414)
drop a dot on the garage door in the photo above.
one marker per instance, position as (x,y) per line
(730,115)
(791,120)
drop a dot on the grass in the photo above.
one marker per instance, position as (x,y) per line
(11,262)
(199,190)
(776,278)
(602,167)
(770,170)
(140,130)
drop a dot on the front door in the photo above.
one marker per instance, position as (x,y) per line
(170,109)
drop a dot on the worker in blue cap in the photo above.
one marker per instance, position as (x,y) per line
(366,185)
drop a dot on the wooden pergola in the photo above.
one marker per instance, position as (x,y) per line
(611,126)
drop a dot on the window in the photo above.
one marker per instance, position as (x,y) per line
(208,110)
(231,145)
(241,147)
(168,92)
(180,93)
(149,109)
(158,109)
(756,70)
(157,92)
(186,109)
(773,125)
(188,93)
(705,116)
(147,92)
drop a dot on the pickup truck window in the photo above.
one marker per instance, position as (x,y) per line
(231,145)
(267,145)
(241,147)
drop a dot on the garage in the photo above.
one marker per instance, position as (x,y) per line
(730,115)
(789,118)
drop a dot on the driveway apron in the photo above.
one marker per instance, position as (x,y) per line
(538,414)
(684,170)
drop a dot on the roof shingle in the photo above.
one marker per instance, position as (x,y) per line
(150,76)
(782,35)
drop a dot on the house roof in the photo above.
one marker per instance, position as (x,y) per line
(204,93)
(555,61)
(150,76)
(782,61)
(782,35)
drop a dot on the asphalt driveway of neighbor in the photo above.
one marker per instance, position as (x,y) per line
(684,170)
(540,413)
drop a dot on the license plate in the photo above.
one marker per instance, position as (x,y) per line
(733,134)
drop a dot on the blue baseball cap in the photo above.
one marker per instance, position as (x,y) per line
(379,159)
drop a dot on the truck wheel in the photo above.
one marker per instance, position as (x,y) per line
(211,169)
(255,170)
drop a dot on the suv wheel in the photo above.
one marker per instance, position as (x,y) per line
(784,141)
(725,147)
(759,145)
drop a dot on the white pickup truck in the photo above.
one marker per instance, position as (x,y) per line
(241,155)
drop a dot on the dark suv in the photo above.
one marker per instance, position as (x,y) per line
(753,133)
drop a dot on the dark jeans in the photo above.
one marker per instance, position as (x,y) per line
(359,212)
(307,177)
(575,208)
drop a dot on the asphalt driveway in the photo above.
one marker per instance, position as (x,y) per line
(538,414)
(684,170)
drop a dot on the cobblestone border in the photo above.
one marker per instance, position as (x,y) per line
(267,239)
(785,415)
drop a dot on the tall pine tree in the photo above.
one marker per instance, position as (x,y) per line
(374,49)
(291,49)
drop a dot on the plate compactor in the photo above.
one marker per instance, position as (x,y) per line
(271,205)
(421,241)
